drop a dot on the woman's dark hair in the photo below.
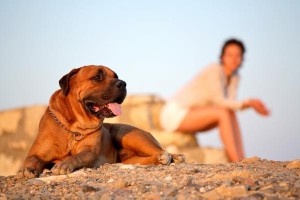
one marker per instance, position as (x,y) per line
(235,42)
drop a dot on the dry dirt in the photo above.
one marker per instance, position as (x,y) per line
(253,178)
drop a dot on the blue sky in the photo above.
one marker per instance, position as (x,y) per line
(156,46)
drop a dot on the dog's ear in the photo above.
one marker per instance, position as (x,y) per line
(64,82)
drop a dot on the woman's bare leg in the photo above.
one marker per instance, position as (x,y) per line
(205,118)
(238,135)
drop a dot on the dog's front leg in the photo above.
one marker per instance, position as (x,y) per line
(83,159)
(33,166)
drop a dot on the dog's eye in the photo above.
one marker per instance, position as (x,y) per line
(98,77)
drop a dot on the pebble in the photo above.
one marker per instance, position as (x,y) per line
(294,165)
(124,166)
(87,188)
(119,184)
(186,181)
(171,192)
(297,184)
(284,184)
(202,190)
(106,197)
(35,181)
(295,192)
(254,188)
(152,196)
(251,160)
(249,181)
(110,180)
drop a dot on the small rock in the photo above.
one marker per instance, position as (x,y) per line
(110,180)
(251,160)
(254,196)
(297,184)
(266,175)
(295,192)
(152,196)
(107,197)
(228,183)
(124,166)
(238,179)
(119,184)
(284,184)
(224,191)
(35,181)
(254,187)
(171,192)
(202,190)
(181,197)
(294,165)
(87,188)
(168,178)
(249,181)
(186,181)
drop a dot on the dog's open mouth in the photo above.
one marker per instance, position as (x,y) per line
(104,111)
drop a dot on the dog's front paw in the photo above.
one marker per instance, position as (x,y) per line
(178,158)
(62,168)
(164,158)
(28,173)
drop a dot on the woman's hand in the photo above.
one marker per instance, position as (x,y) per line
(257,105)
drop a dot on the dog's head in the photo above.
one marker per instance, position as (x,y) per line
(97,88)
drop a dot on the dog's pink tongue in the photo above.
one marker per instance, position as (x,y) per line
(115,108)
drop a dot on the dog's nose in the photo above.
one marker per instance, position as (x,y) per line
(121,84)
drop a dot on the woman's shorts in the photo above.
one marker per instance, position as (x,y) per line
(172,115)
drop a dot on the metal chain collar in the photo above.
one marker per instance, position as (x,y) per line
(76,136)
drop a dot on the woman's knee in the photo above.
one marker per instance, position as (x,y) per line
(224,113)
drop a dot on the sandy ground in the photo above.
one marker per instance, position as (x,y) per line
(253,178)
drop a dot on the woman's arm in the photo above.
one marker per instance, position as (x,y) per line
(219,97)
(257,105)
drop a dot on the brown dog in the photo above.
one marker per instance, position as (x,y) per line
(72,134)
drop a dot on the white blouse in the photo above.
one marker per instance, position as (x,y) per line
(209,87)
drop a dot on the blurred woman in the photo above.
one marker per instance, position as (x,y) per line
(209,101)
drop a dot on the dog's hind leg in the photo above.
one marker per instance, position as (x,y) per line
(129,157)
